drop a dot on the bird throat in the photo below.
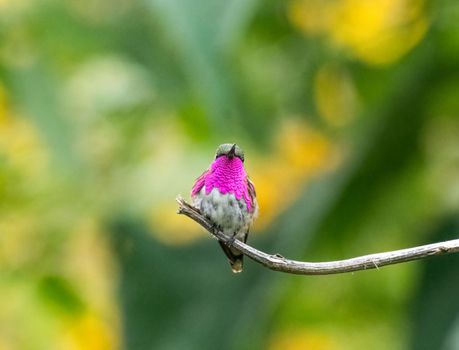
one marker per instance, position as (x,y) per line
(229,176)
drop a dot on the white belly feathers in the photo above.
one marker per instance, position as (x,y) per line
(225,211)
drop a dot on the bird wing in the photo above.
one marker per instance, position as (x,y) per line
(251,189)
(199,183)
(253,198)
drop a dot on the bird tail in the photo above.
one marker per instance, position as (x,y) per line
(235,257)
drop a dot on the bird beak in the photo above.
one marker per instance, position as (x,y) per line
(232,152)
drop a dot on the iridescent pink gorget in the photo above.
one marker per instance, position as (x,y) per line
(228,176)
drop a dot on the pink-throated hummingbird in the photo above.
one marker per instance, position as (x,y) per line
(227,197)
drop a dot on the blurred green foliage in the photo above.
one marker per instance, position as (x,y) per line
(349,116)
(56,291)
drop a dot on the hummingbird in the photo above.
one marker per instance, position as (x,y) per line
(226,196)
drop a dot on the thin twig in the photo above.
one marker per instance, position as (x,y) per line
(278,263)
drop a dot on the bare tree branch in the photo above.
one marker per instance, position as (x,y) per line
(279,263)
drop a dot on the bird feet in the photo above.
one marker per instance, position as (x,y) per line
(231,240)
(216,227)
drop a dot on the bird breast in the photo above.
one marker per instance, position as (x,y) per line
(224,210)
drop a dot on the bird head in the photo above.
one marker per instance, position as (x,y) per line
(230,150)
